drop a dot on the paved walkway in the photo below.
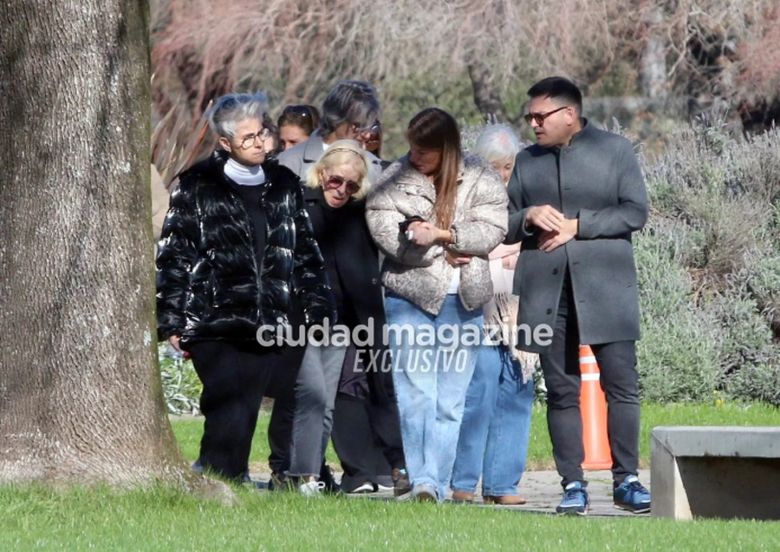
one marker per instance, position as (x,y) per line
(542,491)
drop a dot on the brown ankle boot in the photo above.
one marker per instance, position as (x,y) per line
(506,500)
(462,496)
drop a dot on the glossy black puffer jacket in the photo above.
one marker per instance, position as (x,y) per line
(208,283)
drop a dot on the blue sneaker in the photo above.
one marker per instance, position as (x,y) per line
(631,495)
(575,499)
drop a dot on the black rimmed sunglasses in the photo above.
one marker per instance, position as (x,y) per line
(540,117)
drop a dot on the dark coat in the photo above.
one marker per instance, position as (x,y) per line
(596,179)
(208,283)
(358,267)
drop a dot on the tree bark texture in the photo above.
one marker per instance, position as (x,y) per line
(486,96)
(80,392)
(652,70)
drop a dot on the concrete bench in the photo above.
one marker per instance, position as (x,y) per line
(723,472)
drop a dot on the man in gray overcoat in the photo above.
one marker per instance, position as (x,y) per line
(575,198)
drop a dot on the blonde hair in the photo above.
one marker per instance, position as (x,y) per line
(343,152)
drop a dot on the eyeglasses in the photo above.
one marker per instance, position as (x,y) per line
(540,117)
(334,182)
(249,141)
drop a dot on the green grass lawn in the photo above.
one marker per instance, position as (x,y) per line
(164,519)
(188,430)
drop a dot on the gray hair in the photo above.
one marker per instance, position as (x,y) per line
(350,101)
(231,109)
(344,152)
(497,143)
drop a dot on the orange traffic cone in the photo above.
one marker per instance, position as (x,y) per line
(593,408)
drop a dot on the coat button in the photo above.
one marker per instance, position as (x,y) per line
(549,311)
(374,281)
(555,271)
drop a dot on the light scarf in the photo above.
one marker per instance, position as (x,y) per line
(243,175)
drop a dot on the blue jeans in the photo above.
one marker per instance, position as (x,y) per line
(496,423)
(431,379)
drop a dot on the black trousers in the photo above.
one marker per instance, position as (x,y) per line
(619,380)
(234,377)
(282,389)
(367,438)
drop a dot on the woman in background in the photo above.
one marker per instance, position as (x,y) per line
(295,125)
(497,418)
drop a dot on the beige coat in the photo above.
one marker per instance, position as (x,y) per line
(160,199)
(421,274)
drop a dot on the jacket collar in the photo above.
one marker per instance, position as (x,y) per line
(313,148)
(213,168)
(583,135)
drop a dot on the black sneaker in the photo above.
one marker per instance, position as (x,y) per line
(326,477)
(631,495)
(279,482)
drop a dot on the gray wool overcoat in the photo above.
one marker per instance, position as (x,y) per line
(597,179)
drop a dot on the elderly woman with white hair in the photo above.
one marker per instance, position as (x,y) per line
(493,439)
(336,187)
(236,244)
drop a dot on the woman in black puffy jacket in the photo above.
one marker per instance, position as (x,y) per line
(235,244)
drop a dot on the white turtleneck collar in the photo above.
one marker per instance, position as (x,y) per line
(243,175)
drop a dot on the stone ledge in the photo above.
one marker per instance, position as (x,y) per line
(724,472)
(733,441)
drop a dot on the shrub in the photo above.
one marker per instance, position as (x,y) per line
(677,357)
(709,267)
(181,386)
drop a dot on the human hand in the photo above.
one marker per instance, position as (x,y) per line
(546,217)
(422,233)
(455,259)
(174,341)
(510,261)
(550,241)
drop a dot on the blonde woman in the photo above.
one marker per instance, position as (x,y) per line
(336,185)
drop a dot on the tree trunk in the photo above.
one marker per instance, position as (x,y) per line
(652,70)
(486,97)
(80,394)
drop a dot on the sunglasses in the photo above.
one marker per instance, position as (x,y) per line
(334,182)
(540,117)
(373,128)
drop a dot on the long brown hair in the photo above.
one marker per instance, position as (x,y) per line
(434,128)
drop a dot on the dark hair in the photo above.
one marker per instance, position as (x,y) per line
(303,116)
(436,129)
(558,88)
(376,135)
(350,101)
